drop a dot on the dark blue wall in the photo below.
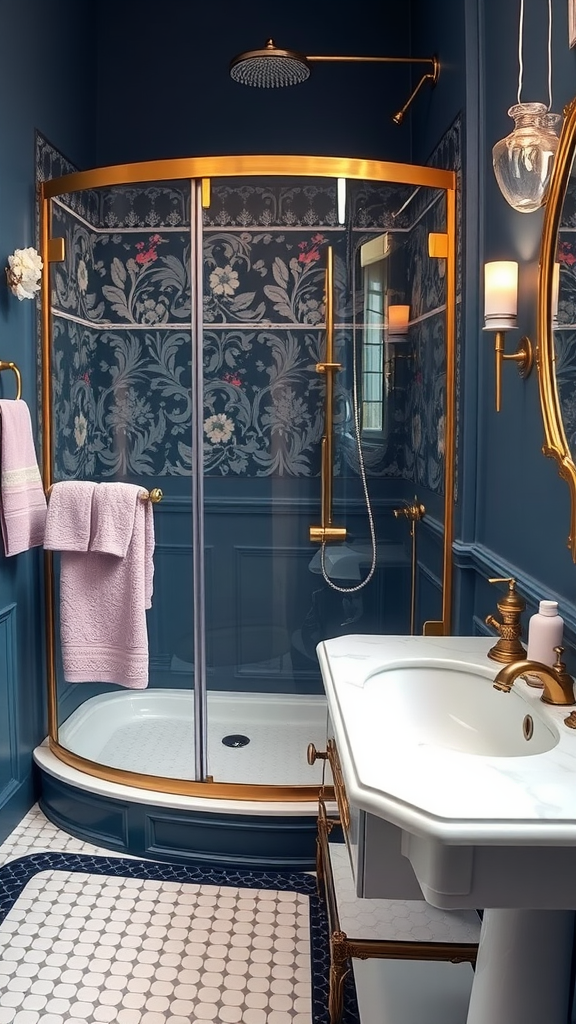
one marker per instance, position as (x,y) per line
(164,88)
(42,51)
(522,506)
(128,84)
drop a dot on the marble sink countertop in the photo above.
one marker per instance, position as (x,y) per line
(456,797)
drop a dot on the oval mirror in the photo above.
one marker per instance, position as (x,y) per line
(557,314)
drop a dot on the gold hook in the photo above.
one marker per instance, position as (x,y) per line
(12,366)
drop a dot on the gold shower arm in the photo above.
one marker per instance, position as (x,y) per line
(431,76)
(326,531)
(12,366)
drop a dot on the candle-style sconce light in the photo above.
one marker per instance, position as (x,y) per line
(500,313)
(398,322)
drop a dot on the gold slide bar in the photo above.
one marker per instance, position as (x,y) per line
(326,531)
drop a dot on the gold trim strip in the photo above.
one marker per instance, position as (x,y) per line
(46,390)
(450,413)
(249,166)
(339,786)
(185,787)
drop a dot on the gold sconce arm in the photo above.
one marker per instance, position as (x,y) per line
(524,356)
(327,531)
(12,366)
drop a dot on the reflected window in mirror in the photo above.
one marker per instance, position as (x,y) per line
(375,277)
(385,324)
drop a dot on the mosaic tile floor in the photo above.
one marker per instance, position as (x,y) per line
(93,947)
(87,937)
(35,834)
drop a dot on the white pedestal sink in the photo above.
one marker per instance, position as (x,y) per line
(482,788)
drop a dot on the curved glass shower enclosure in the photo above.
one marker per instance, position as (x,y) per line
(186,307)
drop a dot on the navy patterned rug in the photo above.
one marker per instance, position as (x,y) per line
(15,875)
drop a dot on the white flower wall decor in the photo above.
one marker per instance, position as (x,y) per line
(23,273)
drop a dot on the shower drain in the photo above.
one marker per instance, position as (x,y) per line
(235,740)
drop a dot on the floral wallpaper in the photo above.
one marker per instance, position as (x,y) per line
(123,345)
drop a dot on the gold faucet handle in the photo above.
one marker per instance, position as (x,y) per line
(559,668)
(559,665)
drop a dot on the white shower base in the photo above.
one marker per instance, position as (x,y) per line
(152,732)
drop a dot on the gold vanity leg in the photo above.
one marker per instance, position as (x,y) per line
(319,868)
(339,969)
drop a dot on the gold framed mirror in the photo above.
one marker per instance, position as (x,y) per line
(557,315)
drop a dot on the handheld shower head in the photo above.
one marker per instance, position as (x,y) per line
(269,68)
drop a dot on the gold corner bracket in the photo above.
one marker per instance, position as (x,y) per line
(438,245)
(56,250)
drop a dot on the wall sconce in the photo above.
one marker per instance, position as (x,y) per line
(398,322)
(500,309)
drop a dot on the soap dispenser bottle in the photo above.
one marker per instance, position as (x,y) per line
(545,630)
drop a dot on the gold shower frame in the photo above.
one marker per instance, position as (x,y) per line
(206,168)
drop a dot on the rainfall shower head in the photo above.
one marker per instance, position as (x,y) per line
(269,68)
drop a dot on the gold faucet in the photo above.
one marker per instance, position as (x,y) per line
(558,684)
(508,648)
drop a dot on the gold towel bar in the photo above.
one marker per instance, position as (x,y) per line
(155,495)
(12,366)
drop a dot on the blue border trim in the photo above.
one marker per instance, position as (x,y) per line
(15,874)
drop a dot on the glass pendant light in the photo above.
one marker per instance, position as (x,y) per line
(523,160)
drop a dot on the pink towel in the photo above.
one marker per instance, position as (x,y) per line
(69,518)
(104,594)
(22,499)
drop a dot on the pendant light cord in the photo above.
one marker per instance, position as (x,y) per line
(549,54)
(521,59)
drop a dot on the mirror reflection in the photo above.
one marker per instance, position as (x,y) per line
(557,315)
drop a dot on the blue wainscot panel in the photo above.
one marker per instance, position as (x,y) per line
(181,836)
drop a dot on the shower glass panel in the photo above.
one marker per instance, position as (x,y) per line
(183,349)
(271,594)
(122,410)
